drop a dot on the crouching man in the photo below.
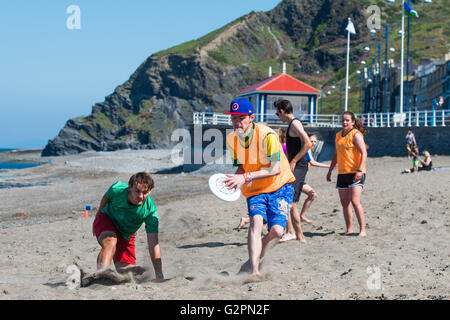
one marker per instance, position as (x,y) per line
(122,211)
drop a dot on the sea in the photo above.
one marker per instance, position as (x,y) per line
(8,165)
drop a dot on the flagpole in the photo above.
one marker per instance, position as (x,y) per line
(348,60)
(401,63)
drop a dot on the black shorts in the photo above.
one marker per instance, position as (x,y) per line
(347,180)
(300,175)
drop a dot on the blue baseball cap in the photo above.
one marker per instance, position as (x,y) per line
(240,106)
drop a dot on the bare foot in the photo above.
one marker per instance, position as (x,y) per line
(255,277)
(304,219)
(362,234)
(287,237)
(349,232)
(243,222)
(302,240)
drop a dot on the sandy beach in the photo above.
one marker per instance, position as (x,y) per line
(405,255)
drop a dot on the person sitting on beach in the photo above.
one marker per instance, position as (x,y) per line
(122,211)
(264,177)
(427,164)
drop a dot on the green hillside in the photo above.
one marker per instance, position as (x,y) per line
(430,35)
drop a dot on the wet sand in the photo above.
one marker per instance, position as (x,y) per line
(404,256)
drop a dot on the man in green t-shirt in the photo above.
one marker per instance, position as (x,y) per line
(122,211)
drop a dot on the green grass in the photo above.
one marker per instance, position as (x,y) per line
(190,47)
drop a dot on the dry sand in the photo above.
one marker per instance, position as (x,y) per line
(405,255)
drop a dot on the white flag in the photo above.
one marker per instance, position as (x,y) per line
(350,27)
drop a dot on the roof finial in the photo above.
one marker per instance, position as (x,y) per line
(270,71)
(284,67)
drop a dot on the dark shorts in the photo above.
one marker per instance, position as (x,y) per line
(347,180)
(125,249)
(300,175)
(274,207)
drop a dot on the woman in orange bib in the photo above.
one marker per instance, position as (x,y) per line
(350,156)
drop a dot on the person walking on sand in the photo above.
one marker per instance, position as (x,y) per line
(298,144)
(307,189)
(350,156)
(122,211)
(264,177)
(411,143)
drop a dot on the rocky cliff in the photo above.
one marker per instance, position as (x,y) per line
(169,86)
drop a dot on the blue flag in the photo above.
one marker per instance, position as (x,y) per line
(409,11)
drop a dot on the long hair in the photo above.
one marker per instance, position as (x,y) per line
(282,135)
(358,124)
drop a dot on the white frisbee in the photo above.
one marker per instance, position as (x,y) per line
(219,189)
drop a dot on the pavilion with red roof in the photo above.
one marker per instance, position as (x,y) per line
(282,86)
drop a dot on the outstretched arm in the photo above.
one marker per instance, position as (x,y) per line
(318,164)
(155,255)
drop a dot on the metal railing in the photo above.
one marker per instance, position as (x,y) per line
(422,118)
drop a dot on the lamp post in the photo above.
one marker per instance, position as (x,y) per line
(401,59)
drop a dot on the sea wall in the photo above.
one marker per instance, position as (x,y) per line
(209,141)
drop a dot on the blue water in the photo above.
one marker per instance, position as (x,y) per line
(17,165)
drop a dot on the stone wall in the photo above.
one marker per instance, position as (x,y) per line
(381,141)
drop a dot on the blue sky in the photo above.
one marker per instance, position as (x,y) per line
(49,73)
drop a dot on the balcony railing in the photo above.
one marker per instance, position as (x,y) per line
(422,118)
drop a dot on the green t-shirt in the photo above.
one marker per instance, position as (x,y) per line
(128,218)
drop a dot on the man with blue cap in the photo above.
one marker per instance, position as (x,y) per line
(264,176)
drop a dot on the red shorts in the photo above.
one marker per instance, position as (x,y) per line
(125,250)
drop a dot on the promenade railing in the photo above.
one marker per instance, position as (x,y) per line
(420,118)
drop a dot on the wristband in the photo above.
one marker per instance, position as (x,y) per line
(247,177)
(358,170)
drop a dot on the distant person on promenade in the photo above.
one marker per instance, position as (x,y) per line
(350,156)
(298,144)
(122,211)
(427,163)
(264,176)
(411,143)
